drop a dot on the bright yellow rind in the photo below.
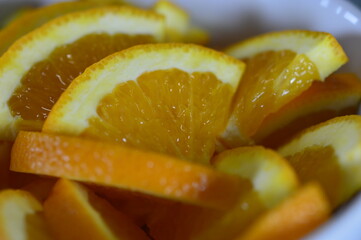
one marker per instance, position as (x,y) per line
(39,44)
(35,18)
(320,47)
(15,208)
(342,134)
(68,115)
(272,177)
(177,20)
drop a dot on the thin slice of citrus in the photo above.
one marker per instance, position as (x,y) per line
(35,18)
(280,66)
(21,217)
(300,214)
(272,180)
(169,98)
(73,212)
(329,153)
(179,27)
(122,167)
(339,95)
(39,66)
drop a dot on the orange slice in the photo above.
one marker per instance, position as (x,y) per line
(36,17)
(179,27)
(38,67)
(74,212)
(300,214)
(121,167)
(273,180)
(280,66)
(168,98)
(21,217)
(329,153)
(269,180)
(339,95)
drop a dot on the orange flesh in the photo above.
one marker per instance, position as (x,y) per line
(46,80)
(262,92)
(284,134)
(315,105)
(319,164)
(168,111)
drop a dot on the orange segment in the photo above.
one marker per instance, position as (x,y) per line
(73,212)
(121,167)
(21,217)
(169,98)
(38,67)
(36,17)
(272,180)
(178,24)
(329,154)
(303,212)
(280,66)
(339,95)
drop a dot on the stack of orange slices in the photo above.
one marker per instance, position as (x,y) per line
(120,128)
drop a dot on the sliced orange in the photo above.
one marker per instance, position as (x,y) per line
(300,214)
(168,98)
(329,153)
(73,212)
(273,180)
(270,178)
(39,66)
(21,217)
(125,168)
(280,66)
(339,95)
(179,27)
(36,17)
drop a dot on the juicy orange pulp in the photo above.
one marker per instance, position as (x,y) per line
(46,80)
(262,92)
(319,163)
(162,111)
(315,105)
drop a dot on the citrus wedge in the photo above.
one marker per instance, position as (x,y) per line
(272,180)
(39,66)
(268,181)
(329,153)
(21,217)
(168,98)
(339,95)
(179,27)
(73,212)
(280,66)
(125,168)
(36,17)
(297,216)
